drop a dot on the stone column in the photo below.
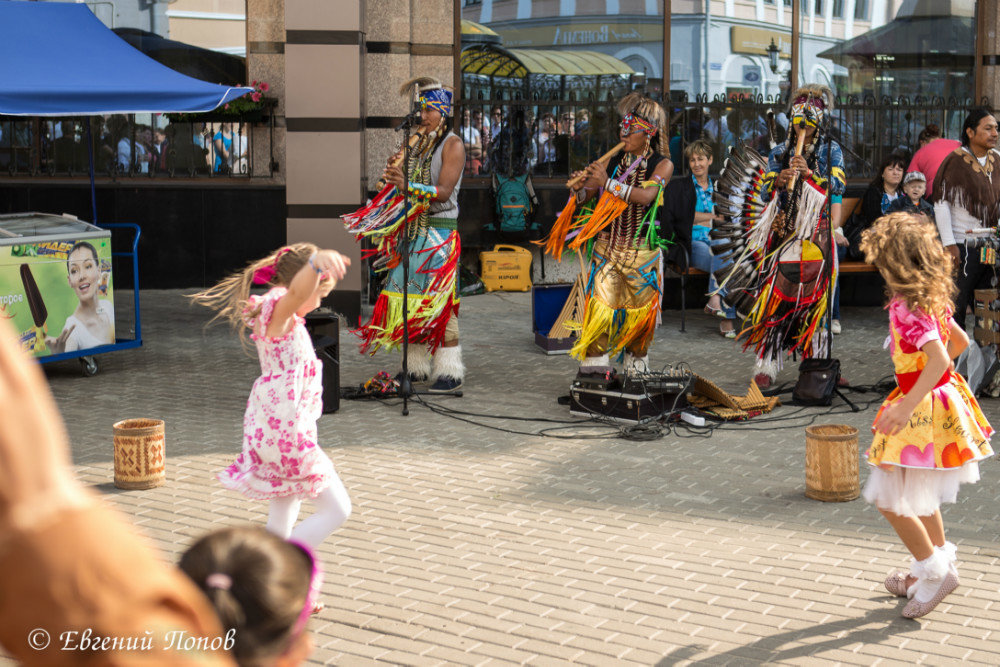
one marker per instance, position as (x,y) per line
(324,54)
(344,61)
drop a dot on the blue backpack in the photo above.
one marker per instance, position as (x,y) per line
(515,202)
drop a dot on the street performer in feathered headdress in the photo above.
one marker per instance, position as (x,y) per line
(436,160)
(612,217)
(782,277)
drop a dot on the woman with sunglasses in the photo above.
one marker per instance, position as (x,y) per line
(616,225)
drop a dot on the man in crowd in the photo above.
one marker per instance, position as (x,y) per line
(966,197)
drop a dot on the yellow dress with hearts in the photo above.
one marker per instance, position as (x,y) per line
(924,463)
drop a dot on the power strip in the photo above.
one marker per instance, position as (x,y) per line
(693,419)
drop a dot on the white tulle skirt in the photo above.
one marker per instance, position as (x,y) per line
(916,492)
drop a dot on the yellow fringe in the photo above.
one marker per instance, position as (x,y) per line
(608,208)
(599,320)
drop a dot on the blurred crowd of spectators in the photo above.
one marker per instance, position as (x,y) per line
(124,147)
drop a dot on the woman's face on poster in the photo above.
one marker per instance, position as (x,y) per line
(84,273)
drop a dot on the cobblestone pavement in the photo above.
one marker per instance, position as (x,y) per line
(554,543)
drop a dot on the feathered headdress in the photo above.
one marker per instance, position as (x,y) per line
(810,103)
(430,93)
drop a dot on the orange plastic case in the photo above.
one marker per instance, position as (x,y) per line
(506,268)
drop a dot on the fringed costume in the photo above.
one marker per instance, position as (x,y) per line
(967,196)
(429,232)
(623,278)
(784,268)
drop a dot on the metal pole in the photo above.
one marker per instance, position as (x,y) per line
(794,72)
(667,9)
(704,39)
(978,67)
(456,52)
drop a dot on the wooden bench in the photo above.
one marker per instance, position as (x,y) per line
(845,267)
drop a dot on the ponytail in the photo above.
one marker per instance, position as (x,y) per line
(230,297)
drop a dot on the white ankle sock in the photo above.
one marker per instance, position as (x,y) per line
(930,573)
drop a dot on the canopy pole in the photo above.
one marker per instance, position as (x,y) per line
(90,157)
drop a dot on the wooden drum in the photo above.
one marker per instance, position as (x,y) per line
(832,472)
(139,454)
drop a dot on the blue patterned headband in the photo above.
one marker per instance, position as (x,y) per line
(438,99)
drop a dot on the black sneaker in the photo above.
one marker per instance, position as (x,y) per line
(444,384)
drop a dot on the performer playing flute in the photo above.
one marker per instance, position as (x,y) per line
(437,157)
(788,264)
(616,227)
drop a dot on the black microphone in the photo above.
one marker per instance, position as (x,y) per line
(411,119)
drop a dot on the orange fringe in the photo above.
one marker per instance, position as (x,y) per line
(554,243)
(608,208)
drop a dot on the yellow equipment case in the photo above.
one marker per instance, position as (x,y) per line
(506,268)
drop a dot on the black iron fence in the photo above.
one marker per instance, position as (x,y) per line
(554,135)
(137,146)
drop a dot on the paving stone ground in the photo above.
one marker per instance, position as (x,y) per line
(553,542)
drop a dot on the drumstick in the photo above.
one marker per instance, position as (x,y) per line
(799,143)
(573,182)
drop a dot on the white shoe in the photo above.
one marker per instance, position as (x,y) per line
(835,326)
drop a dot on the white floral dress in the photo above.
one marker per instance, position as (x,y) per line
(280,454)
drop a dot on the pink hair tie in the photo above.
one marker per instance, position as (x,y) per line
(266,274)
(219,580)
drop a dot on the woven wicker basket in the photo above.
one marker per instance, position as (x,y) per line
(139,454)
(832,473)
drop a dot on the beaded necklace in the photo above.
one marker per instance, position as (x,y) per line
(625,229)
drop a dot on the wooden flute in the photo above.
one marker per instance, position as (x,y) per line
(397,159)
(799,143)
(573,182)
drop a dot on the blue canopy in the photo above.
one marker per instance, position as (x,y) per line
(58,59)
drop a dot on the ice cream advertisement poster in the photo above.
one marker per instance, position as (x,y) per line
(58,294)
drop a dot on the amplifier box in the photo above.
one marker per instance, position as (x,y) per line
(627,401)
(324,330)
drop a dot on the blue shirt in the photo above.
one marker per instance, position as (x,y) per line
(834,172)
(704,202)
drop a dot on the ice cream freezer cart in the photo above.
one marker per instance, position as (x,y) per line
(57,288)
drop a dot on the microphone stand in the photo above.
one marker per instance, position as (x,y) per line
(832,289)
(405,386)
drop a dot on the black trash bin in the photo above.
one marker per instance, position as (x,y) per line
(324,330)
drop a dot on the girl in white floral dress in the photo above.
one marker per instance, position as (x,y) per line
(281,461)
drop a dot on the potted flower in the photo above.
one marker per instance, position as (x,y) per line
(249,108)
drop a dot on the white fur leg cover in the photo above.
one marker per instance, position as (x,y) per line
(601,364)
(448,363)
(418,360)
(768,367)
(635,364)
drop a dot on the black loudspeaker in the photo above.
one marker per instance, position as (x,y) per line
(324,330)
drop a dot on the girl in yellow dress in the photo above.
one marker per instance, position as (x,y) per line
(929,433)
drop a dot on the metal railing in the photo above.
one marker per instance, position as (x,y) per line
(558,134)
(143,146)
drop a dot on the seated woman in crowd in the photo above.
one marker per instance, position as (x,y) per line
(688,203)
(884,189)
